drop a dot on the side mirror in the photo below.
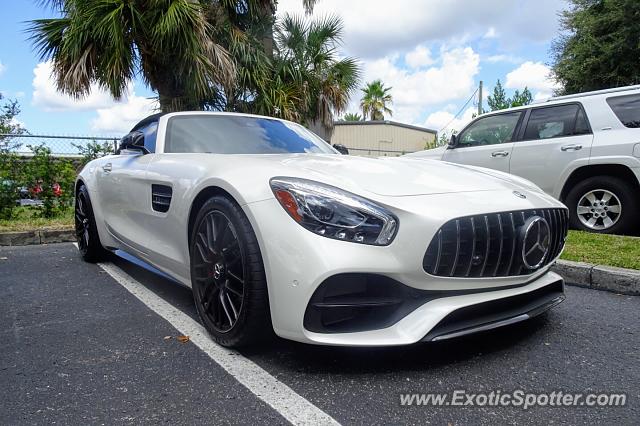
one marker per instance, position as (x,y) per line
(342,149)
(453,141)
(133,141)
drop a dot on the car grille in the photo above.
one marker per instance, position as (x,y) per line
(489,245)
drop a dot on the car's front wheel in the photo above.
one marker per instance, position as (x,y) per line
(603,204)
(227,275)
(87,236)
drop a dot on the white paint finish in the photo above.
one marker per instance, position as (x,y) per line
(418,323)
(542,161)
(423,194)
(293,407)
(496,157)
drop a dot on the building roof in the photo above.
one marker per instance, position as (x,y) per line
(382,122)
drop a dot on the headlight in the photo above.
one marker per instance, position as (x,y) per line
(334,213)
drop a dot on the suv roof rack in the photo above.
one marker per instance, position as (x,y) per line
(595,92)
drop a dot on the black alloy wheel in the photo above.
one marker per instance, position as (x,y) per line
(219,271)
(87,236)
(227,275)
(82,222)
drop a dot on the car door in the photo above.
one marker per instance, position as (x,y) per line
(486,142)
(553,141)
(125,195)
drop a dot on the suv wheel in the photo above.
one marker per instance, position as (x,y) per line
(603,204)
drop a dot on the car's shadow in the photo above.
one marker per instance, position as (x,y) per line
(292,356)
(420,356)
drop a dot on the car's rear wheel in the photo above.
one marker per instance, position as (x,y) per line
(603,204)
(87,237)
(227,275)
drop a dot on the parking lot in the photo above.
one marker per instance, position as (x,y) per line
(79,347)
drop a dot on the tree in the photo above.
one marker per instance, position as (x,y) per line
(8,124)
(309,82)
(499,100)
(11,169)
(189,51)
(521,99)
(376,100)
(350,116)
(107,42)
(600,45)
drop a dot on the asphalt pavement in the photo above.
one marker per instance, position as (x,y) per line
(77,347)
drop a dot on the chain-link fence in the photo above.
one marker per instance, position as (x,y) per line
(80,146)
(60,146)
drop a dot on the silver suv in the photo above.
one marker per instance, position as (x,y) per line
(583,149)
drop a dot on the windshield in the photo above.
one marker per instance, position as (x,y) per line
(229,134)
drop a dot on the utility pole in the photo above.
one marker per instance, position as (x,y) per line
(480,99)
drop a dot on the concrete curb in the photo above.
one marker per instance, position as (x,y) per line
(44,236)
(608,278)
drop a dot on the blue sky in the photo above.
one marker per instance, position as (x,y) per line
(432,52)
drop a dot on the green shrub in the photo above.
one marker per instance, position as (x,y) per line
(45,172)
(11,177)
(93,150)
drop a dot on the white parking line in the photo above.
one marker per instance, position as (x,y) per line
(276,394)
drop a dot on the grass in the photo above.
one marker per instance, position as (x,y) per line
(26,219)
(602,249)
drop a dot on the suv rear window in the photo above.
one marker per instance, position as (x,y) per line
(627,109)
(556,121)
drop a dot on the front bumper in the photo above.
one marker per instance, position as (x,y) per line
(297,262)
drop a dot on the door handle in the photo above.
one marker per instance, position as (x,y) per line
(571,148)
(107,167)
(499,154)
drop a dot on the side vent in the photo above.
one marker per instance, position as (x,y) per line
(161,198)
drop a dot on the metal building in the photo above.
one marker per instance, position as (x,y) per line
(381,138)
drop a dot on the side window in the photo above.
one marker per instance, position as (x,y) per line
(555,122)
(627,109)
(150,132)
(491,130)
(582,124)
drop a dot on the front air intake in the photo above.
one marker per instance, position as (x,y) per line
(493,244)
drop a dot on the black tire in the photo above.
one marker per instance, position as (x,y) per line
(627,195)
(87,236)
(227,275)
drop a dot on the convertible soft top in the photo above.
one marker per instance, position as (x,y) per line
(149,119)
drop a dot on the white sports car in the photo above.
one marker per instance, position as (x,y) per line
(274,229)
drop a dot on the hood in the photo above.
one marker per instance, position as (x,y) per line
(433,154)
(400,176)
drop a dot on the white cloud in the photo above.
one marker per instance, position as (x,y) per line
(374,31)
(47,97)
(115,117)
(419,57)
(504,58)
(2,68)
(439,119)
(121,117)
(414,91)
(534,75)
(491,33)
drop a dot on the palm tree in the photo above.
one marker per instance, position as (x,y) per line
(308,73)
(174,45)
(350,116)
(375,100)
(168,42)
